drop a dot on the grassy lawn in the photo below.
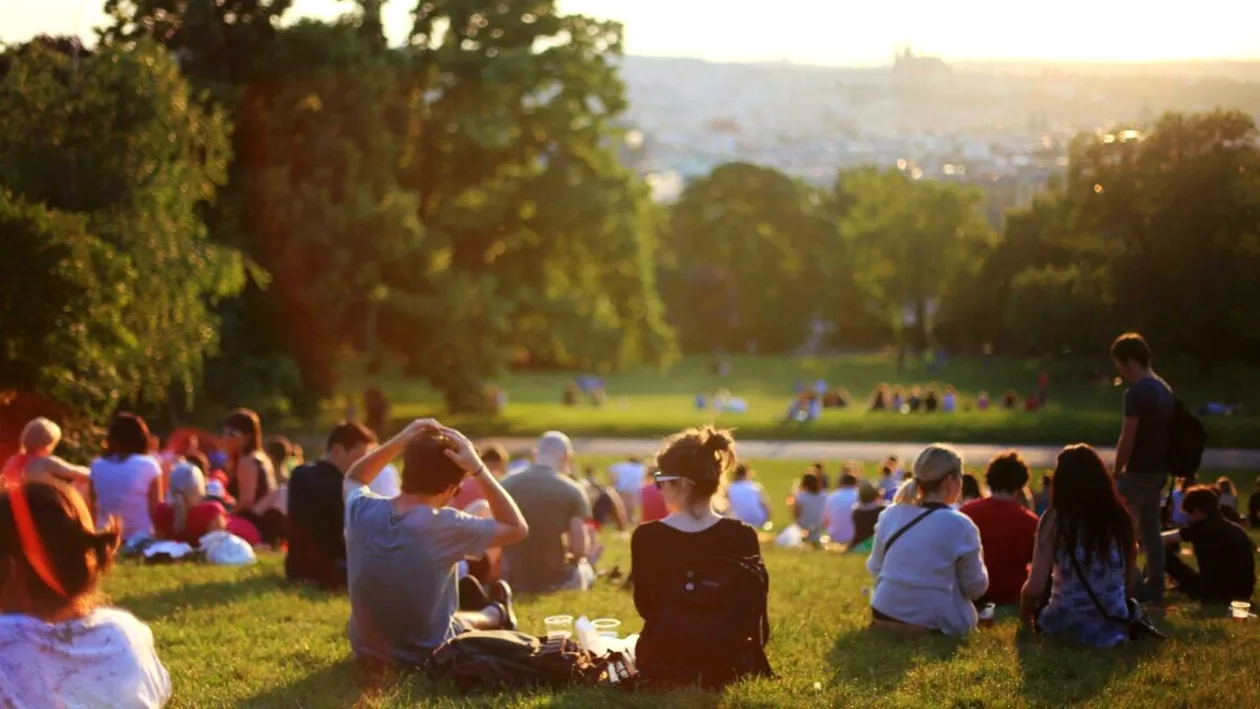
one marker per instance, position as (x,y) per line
(241,637)
(1084,403)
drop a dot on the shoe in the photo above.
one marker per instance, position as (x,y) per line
(501,594)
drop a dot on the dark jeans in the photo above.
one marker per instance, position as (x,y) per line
(1144,494)
(1192,583)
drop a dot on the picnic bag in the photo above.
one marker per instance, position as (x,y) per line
(710,623)
(504,659)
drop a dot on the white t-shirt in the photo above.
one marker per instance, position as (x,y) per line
(105,659)
(934,572)
(629,476)
(387,483)
(840,514)
(122,491)
(746,502)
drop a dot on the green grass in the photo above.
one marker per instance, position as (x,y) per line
(1084,402)
(241,637)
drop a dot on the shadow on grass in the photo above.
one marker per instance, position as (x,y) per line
(157,606)
(342,684)
(880,659)
(1061,672)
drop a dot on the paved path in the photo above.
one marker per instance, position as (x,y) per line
(1039,456)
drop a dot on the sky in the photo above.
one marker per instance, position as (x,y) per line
(836,32)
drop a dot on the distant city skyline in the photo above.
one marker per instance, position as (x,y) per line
(832,32)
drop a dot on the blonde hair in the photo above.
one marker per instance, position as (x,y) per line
(934,465)
(188,486)
(40,434)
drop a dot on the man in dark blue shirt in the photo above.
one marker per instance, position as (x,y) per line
(1142,454)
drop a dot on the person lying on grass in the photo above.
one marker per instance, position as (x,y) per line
(1227,565)
(403,553)
(1085,545)
(926,557)
(58,645)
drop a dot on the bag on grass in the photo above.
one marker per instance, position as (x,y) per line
(791,537)
(504,659)
(227,549)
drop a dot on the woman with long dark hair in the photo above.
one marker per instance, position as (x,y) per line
(127,482)
(251,478)
(1085,546)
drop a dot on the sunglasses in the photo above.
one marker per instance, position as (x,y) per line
(660,480)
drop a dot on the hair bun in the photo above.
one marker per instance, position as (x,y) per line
(716,441)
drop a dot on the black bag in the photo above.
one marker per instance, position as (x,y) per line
(1138,625)
(710,624)
(1186,441)
(503,659)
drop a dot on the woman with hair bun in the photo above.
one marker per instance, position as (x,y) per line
(699,581)
(926,558)
(58,645)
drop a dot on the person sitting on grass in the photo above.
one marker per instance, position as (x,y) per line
(809,506)
(748,502)
(557,510)
(496,459)
(889,478)
(1224,552)
(58,645)
(926,557)
(866,514)
(1008,530)
(1041,500)
(1085,546)
(403,553)
(35,458)
(1228,499)
(126,480)
(694,538)
(970,489)
(317,515)
(187,516)
(838,512)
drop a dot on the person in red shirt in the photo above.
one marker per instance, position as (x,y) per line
(1008,530)
(496,459)
(652,502)
(188,516)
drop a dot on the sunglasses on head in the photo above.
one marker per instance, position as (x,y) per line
(660,479)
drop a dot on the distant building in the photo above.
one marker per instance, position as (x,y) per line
(911,67)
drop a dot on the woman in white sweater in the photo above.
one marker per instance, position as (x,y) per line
(926,558)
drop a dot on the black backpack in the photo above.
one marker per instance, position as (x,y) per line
(504,659)
(1186,441)
(710,624)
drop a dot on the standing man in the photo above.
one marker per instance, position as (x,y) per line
(1142,454)
(556,509)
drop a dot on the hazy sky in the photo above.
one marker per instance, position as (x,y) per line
(838,31)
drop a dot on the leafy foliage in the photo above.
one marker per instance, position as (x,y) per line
(108,162)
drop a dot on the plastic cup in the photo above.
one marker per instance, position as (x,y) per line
(986,614)
(1240,610)
(559,627)
(607,628)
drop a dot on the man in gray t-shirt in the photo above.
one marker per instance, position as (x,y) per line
(1142,453)
(403,553)
(557,510)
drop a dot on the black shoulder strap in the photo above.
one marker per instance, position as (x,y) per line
(1076,566)
(903,530)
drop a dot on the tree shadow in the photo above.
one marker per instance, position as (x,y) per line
(158,606)
(1062,672)
(878,660)
(342,684)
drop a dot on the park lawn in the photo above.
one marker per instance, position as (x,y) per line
(241,637)
(1084,402)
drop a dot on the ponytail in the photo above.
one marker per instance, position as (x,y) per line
(908,493)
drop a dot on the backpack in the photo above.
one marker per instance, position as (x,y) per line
(504,659)
(1186,441)
(710,624)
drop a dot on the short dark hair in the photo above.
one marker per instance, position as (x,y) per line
(494,453)
(1007,472)
(810,482)
(848,480)
(1131,347)
(128,435)
(278,449)
(198,459)
(740,472)
(348,435)
(426,469)
(1201,498)
(971,486)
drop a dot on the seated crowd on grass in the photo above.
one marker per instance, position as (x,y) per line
(438,549)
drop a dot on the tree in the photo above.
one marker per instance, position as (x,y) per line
(748,255)
(1053,310)
(108,163)
(911,242)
